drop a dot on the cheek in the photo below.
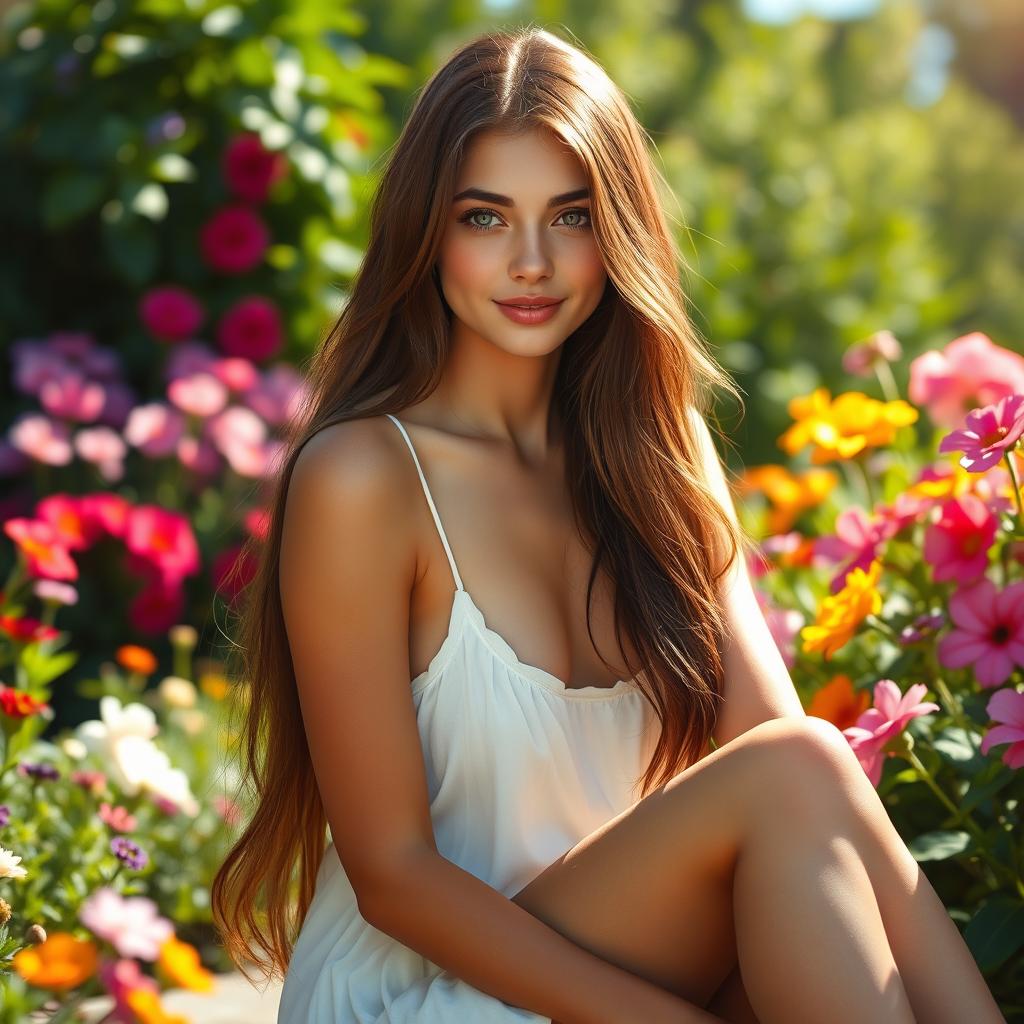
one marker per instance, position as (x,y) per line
(463,265)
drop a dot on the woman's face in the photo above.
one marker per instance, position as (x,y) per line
(515,242)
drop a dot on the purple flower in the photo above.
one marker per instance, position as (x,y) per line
(38,771)
(129,853)
(5,815)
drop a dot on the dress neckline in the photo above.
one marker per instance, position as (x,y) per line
(462,601)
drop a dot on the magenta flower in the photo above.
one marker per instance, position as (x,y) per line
(250,169)
(236,373)
(857,538)
(131,925)
(957,544)
(877,726)
(200,394)
(44,549)
(1006,706)
(251,329)
(199,455)
(158,606)
(989,433)
(968,372)
(234,240)
(119,977)
(164,539)
(171,313)
(989,633)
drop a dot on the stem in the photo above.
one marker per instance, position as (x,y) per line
(886,380)
(1016,489)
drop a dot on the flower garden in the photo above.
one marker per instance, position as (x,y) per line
(194,244)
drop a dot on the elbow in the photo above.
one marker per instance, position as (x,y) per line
(384,886)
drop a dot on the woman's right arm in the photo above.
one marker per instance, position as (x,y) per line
(349,560)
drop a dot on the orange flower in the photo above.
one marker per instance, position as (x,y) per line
(61,962)
(181,963)
(214,685)
(136,659)
(788,493)
(839,703)
(19,704)
(145,1004)
(840,614)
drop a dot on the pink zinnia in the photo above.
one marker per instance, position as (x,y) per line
(877,726)
(45,553)
(989,433)
(164,539)
(250,169)
(1006,706)
(989,633)
(234,240)
(131,925)
(958,544)
(171,313)
(200,394)
(251,329)
(117,817)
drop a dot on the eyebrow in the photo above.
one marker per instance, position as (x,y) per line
(500,200)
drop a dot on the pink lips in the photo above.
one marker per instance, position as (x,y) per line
(534,310)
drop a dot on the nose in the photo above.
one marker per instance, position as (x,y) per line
(530,262)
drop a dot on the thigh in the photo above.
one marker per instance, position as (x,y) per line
(651,890)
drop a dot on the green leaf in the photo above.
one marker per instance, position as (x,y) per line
(41,667)
(955,746)
(70,195)
(982,788)
(939,845)
(996,932)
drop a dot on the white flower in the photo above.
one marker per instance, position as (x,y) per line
(9,865)
(123,740)
(74,747)
(176,692)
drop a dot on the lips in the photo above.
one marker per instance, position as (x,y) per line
(526,303)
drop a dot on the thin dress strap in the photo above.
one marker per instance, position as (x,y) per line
(430,501)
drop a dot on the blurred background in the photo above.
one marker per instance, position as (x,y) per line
(184,189)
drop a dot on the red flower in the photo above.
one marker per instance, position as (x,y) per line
(27,630)
(251,329)
(19,704)
(234,240)
(250,170)
(170,313)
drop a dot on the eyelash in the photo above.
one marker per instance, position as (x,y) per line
(466,218)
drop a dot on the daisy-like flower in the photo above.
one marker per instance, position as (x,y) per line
(841,614)
(10,865)
(988,434)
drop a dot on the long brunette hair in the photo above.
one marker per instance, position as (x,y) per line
(628,382)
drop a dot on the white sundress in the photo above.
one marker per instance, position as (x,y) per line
(520,768)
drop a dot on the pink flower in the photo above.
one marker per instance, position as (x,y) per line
(877,726)
(51,590)
(119,977)
(65,514)
(991,631)
(68,395)
(784,624)
(155,429)
(957,545)
(861,358)
(200,394)
(103,512)
(236,373)
(857,538)
(278,396)
(234,240)
(41,546)
(171,313)
(157,607)
(1006,706)
(251,329)
(117,818)
(131,925)
(164,539)
(104,448)
(249,169)
(241,437)
(92,781)
(969,371)
(989,433)
(42,439)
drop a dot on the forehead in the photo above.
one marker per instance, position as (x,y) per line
(537,160)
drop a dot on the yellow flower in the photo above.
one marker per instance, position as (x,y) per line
(844,427)
(788,493)
(145,1004)
(61,962)
(214,684)
(181,963)
(840,614)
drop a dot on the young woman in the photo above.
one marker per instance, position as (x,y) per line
(504,490)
